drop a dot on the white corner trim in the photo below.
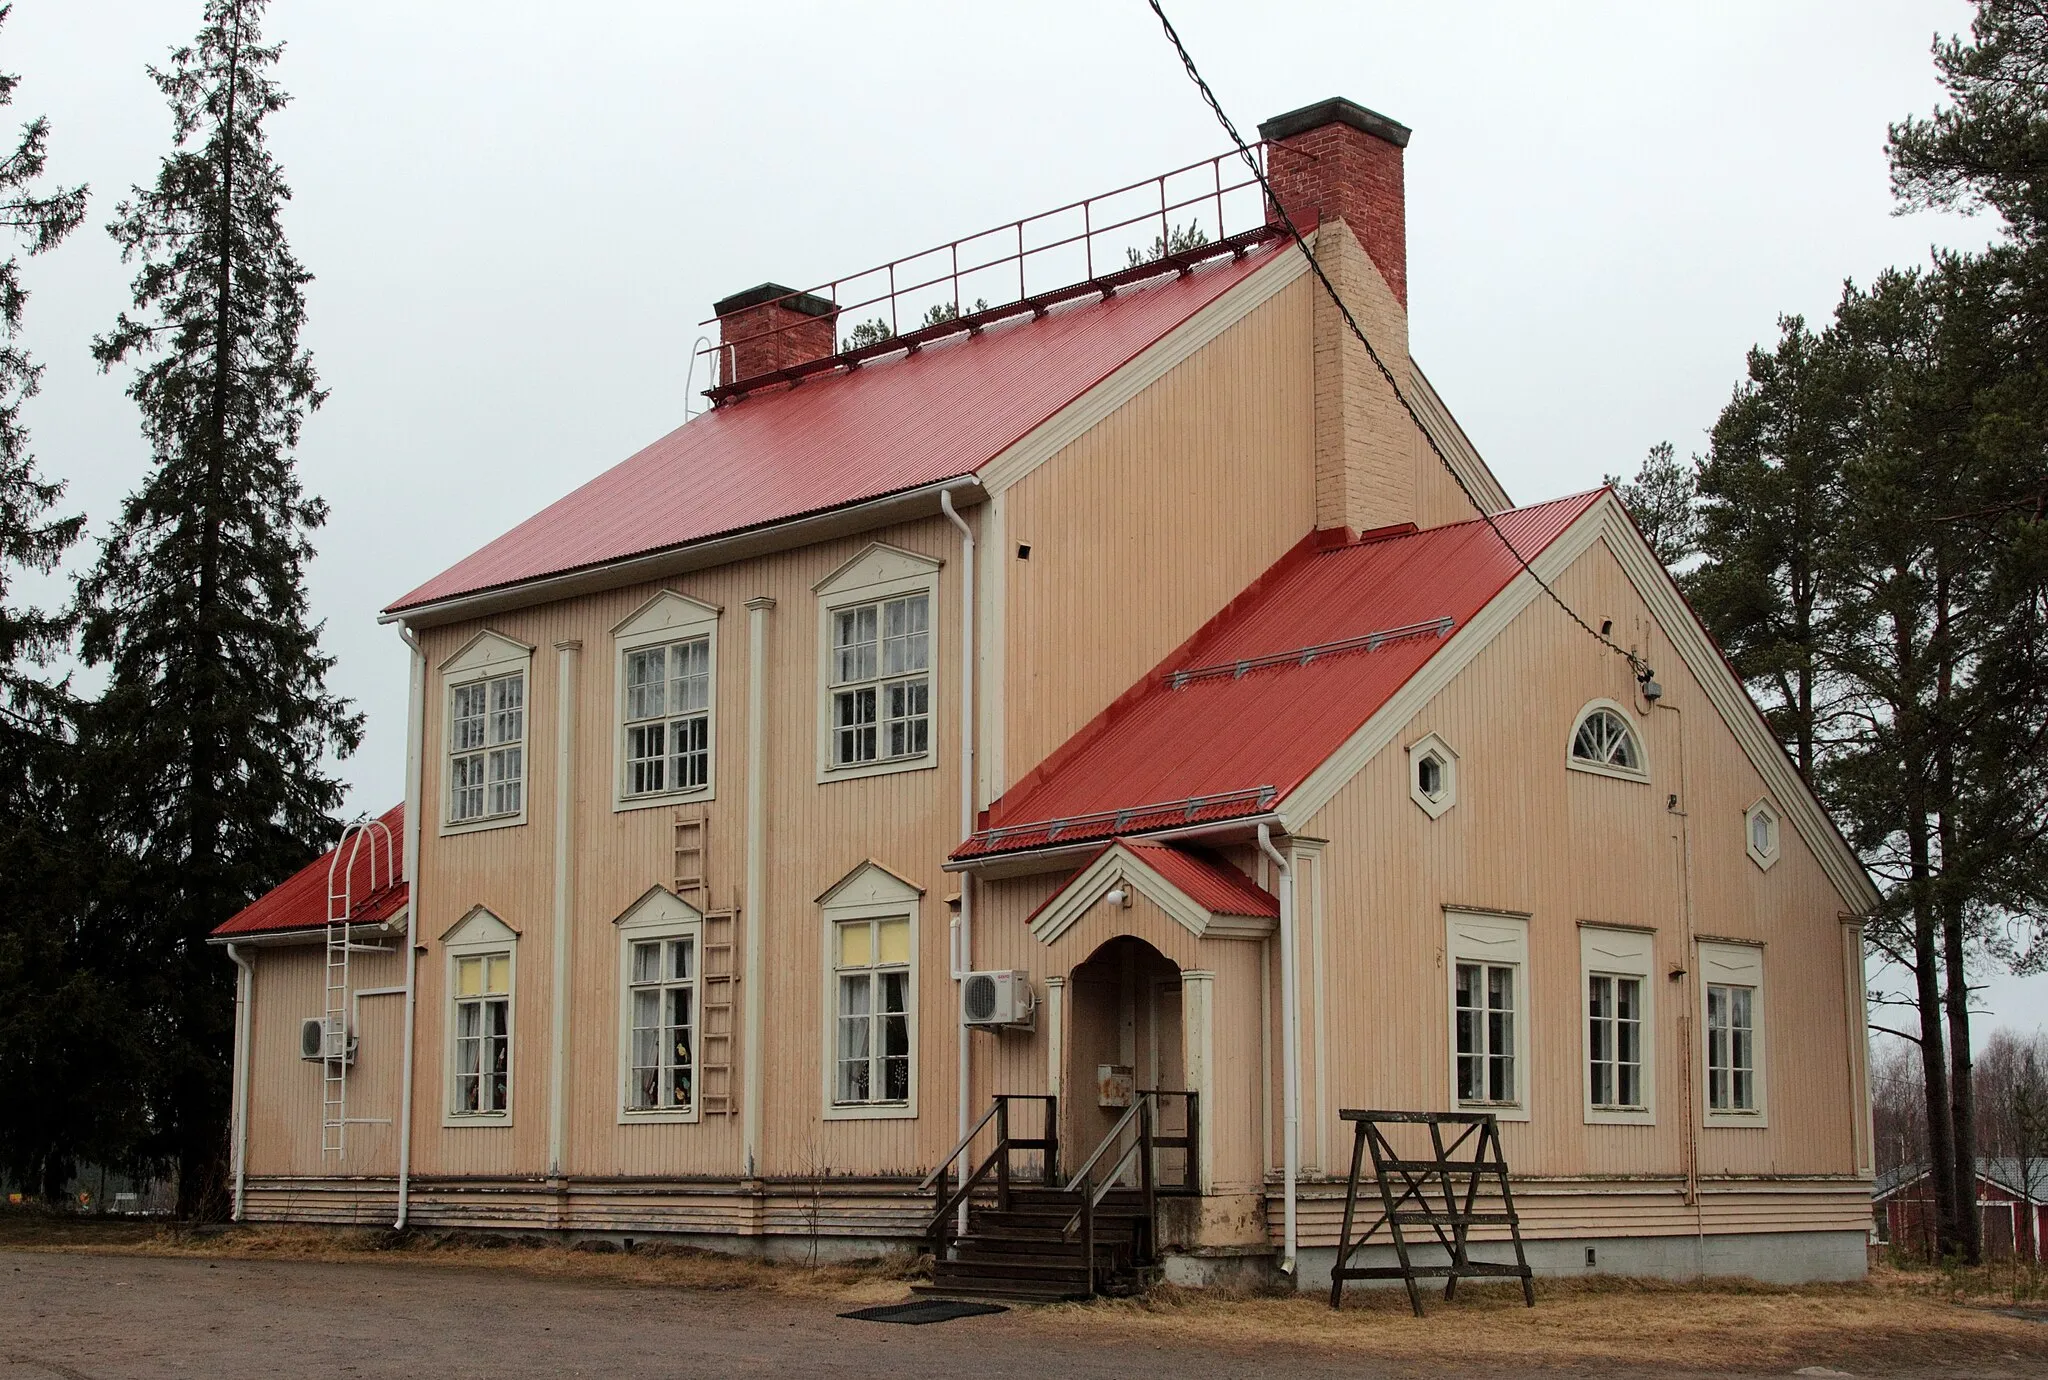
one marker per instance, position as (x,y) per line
(1150,365)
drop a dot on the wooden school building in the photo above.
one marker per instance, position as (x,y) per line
(1114,712)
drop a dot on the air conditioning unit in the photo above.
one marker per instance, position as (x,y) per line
(999,999)
(323,1042)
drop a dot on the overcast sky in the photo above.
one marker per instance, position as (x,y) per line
(517,214)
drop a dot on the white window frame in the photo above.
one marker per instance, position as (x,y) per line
(1768,854)
(1621,953)
(669,618)
(480,934)
(1426,748)
(1498,939)
(1635,732)
(660,916)
(1735,963)
(879,575)
(870,892)
(487,657)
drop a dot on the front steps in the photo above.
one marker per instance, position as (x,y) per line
(1021,1254)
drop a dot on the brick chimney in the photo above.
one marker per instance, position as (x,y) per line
(1337,166)
(772,327)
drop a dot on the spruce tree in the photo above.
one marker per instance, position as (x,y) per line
(51,1003)
(216,719)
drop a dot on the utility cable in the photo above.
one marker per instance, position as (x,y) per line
(1641,668)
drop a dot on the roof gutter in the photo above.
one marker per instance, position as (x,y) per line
(782,534)
(265,939)
(1050,856)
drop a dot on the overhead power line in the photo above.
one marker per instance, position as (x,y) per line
(1640,667)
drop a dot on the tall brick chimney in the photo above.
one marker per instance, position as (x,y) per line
(1337,166)
(772,327)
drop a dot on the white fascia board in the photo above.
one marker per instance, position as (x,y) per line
(783,534)
(1606,521)
(1697,650)
(1151,364)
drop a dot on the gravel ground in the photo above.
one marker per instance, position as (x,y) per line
(104,1317)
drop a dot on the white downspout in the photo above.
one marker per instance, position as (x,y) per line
(415,748)
(566,656)
(1290,1050)
(245,992)
(753,978)
(963,947)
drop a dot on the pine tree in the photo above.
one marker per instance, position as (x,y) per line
(52,1006)
(1663,500)
(216,718)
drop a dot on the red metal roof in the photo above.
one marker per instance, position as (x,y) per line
(1231,741)
(892,425)
(299,902)
(1210,883)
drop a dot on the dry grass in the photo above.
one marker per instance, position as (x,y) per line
(1900,1319)
(1889,1323)
(648,1265)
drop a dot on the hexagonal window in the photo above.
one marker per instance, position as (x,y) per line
(1760,834)
(1433,775)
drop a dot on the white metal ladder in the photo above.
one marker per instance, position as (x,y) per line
(335,1032)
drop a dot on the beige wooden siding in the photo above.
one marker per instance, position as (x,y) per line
(284,1091)
(1146,526)
(1565,847)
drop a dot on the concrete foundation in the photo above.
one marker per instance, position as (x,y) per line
(1780,1257)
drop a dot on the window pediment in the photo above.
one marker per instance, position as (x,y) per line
(870,884)
(658,907)
(879,564)
(666,612)
(487,651)
(479,926)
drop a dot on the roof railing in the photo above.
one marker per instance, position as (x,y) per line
(1303,656)
(1164,812)
(1209,204)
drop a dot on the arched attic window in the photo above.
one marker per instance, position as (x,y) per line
(1604,741)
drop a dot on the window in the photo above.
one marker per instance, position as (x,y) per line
(487,766)
(661,1009)
(1486,1032)
(881,682)
(1615,966)
(1760,834)
(486,733)
(483,1034)
(1488,962)
(1605,743)
(1732,993)
(482,977)
(873,971)
(666,701)
(1433,775)
(1614,1040)
(668,718)
(663,993)
(877,645)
